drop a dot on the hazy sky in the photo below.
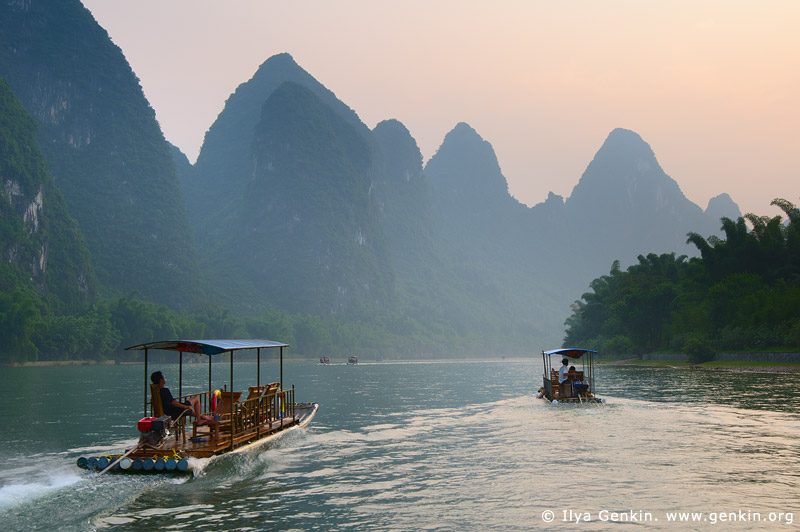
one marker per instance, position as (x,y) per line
(712,86)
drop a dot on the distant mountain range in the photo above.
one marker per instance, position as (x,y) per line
(295,204)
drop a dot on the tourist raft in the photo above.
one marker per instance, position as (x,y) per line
(579,386)
(237,424)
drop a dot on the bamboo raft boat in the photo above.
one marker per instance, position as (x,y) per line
(231,424)
(578,386)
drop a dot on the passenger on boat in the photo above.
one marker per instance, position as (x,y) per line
(174,408)
(578,385)
(563,372)
(564,388)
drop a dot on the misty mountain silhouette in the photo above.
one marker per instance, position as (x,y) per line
(295,204)
(625,205)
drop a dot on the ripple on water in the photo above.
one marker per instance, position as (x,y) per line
(470,456)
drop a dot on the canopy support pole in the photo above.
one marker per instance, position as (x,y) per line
(544,364)
(233,418)
(180,373)
(145,383)
(258,401)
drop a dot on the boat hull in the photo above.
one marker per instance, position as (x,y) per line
(576,400)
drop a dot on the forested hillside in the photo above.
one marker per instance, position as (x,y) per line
(225,161)
(306,231)
(743,293)
(44,257)
(103,147)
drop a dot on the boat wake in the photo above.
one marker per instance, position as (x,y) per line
(35,489)
(20,491)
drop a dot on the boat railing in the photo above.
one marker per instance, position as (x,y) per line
(202,396)
(261,413)
(251,415)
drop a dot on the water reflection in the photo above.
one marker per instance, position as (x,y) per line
(435,446)
(743,389)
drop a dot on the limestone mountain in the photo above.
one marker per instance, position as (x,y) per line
(530,264)
(625,205)
(40,244)
(429,298)
(404,199)
(496,252)
(722,206)
(303,230)
(294,204)
(224,164)
(103,146)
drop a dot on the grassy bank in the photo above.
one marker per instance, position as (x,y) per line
(732,365)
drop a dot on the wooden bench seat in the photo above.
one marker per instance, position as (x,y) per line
(570,392)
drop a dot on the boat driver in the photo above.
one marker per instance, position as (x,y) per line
(174,408)
(563,378)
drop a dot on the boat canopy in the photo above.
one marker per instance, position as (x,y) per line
(207,347)
(569,352)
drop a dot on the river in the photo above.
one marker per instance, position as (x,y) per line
(421,446)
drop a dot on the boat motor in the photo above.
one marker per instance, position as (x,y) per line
(154,429)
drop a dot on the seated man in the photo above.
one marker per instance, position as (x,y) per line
(564,383)
(174,408)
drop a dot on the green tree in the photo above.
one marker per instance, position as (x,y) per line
(19,313)
(743,293)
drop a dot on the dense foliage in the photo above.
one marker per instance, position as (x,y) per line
(29,332)
(307,231)
(103,147)
(41,247)
(742,294)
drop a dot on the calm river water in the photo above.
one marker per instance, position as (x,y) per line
(433,446)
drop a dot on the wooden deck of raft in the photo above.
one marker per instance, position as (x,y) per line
(204,445)
(256,418)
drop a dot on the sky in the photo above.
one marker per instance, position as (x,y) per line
(712,86)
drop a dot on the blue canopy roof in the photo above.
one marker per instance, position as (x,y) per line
(569,352)
(207,347)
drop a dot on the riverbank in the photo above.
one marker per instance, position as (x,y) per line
(46,363)
(189,358)
(759,366)
(764,362)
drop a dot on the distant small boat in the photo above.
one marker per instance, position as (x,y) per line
(352,360)
(324,360)
(579,386)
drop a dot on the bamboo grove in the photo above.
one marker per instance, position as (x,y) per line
(741,295)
